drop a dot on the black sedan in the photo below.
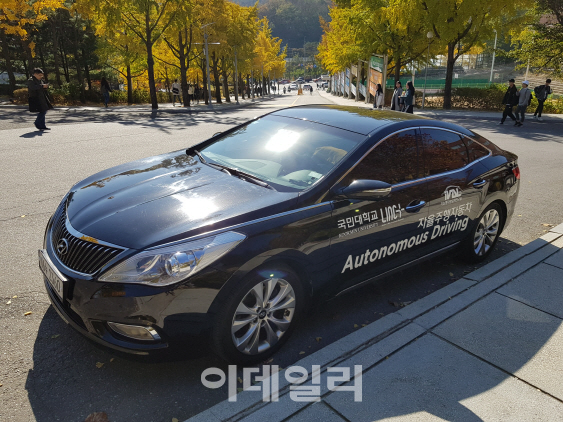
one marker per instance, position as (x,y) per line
(234,238)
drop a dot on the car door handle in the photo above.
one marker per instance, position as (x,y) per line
(479,184)
(416,205)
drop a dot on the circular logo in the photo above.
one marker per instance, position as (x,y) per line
(62,247)
(262,315)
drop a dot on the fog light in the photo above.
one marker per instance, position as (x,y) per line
(137,332)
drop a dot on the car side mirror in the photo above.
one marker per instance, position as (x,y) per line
(370,190)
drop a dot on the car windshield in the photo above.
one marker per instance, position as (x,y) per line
(289,154)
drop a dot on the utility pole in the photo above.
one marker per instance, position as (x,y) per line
(494,52)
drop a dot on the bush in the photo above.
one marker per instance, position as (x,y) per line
(21,96)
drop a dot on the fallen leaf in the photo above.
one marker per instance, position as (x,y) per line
(395,304)
(1,385)
(97,417)
(520,215)
(269,361)
(301,353)
(14,297)
(318,339)
(363,325)
(23,216)
(386,357)
(239,380)
(27,313)
(55,335)
(99,364)
(112,359)
(239,390)
(175,420)
(547,225)
(356,325)
(8,302)
(451,274)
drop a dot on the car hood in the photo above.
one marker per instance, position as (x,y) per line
(166,198)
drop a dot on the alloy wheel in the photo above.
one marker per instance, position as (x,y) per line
(486,232)
(263,316)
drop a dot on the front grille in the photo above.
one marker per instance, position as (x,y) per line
(79,254)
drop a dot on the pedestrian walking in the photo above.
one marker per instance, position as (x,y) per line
(176,92)
(509,101)
(311,90)
(542,92)
(190,92)
(105,89)
(396,99)
(409,98)
(524,99)
(378,100)
(284,89)
(38,100)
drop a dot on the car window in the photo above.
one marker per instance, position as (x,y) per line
(443,151)
(393,161)
(475,150)
(290,154)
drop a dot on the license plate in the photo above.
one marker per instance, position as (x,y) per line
(54,277)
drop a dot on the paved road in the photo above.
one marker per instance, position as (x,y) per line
(48,372)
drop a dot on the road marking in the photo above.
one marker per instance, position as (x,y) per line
(295,100)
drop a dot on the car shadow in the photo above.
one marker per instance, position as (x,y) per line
(73,377)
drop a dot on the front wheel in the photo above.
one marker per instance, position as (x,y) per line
(259,316)
(484,236)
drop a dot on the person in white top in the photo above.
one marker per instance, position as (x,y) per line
(378,100)
(191,92)
(176,92)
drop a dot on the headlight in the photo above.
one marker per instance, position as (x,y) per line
(170,264)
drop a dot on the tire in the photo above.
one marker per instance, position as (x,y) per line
(245,331)
(484,235)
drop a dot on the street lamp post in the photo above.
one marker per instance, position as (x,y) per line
(429,35)
(494,52)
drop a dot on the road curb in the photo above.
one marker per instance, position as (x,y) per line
(392,332)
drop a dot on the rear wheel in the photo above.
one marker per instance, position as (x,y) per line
(484,236)
(259,316)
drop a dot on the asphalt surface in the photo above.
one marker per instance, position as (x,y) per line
(50,373)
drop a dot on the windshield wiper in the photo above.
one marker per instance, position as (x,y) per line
(200,156)
(242,175)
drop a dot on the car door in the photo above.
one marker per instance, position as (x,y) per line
(455,186)
(376,235)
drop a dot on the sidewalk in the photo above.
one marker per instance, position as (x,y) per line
(486,347)
(162,108)
(440,113)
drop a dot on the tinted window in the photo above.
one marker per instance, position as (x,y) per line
(443,151)
(393,161)
(289,154)
(476,150)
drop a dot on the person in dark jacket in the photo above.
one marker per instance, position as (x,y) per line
(409,98)
(105,90)
(541,92)
(509,101)
(38,101)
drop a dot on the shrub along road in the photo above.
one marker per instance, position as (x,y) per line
(48,372)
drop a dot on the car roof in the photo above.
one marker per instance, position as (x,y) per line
(364,121)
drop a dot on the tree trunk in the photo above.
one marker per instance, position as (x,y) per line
(8,60)
(397,68)
(129,86)
(216,81)
(55,39)
(86,69)
(150,70)
(42,58)
(225,81)
(183,70)
(241,85)
(65,63)
(78,65)
(449,76)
